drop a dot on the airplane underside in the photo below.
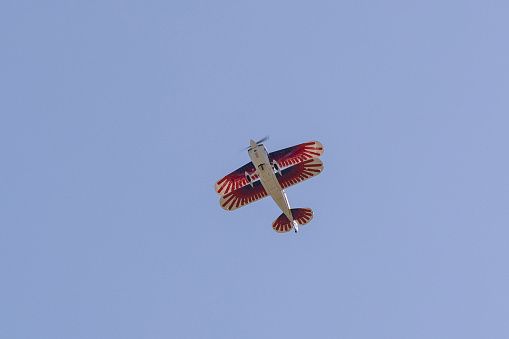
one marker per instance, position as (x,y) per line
(241,187)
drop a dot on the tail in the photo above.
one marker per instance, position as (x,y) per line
(301,215)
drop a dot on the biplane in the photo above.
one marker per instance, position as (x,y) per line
(270,174)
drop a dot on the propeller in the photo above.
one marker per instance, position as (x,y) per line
(257,143)
(264,139)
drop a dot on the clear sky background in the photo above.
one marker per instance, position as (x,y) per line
(117,118)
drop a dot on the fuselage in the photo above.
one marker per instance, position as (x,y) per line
(260,159)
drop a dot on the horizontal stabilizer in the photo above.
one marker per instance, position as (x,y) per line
(301,215)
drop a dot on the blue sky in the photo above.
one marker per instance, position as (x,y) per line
(117,118)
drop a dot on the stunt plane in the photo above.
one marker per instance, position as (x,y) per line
(242,187)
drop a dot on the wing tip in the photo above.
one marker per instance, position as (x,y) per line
(318,147)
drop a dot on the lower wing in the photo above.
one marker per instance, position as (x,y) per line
(236,179)
(300,172)
(243,196)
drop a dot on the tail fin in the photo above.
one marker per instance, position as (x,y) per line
(301,215)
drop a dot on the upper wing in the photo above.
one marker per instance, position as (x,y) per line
(235,179)
(300,172)
(285,157)
(296,154)
(243,196)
